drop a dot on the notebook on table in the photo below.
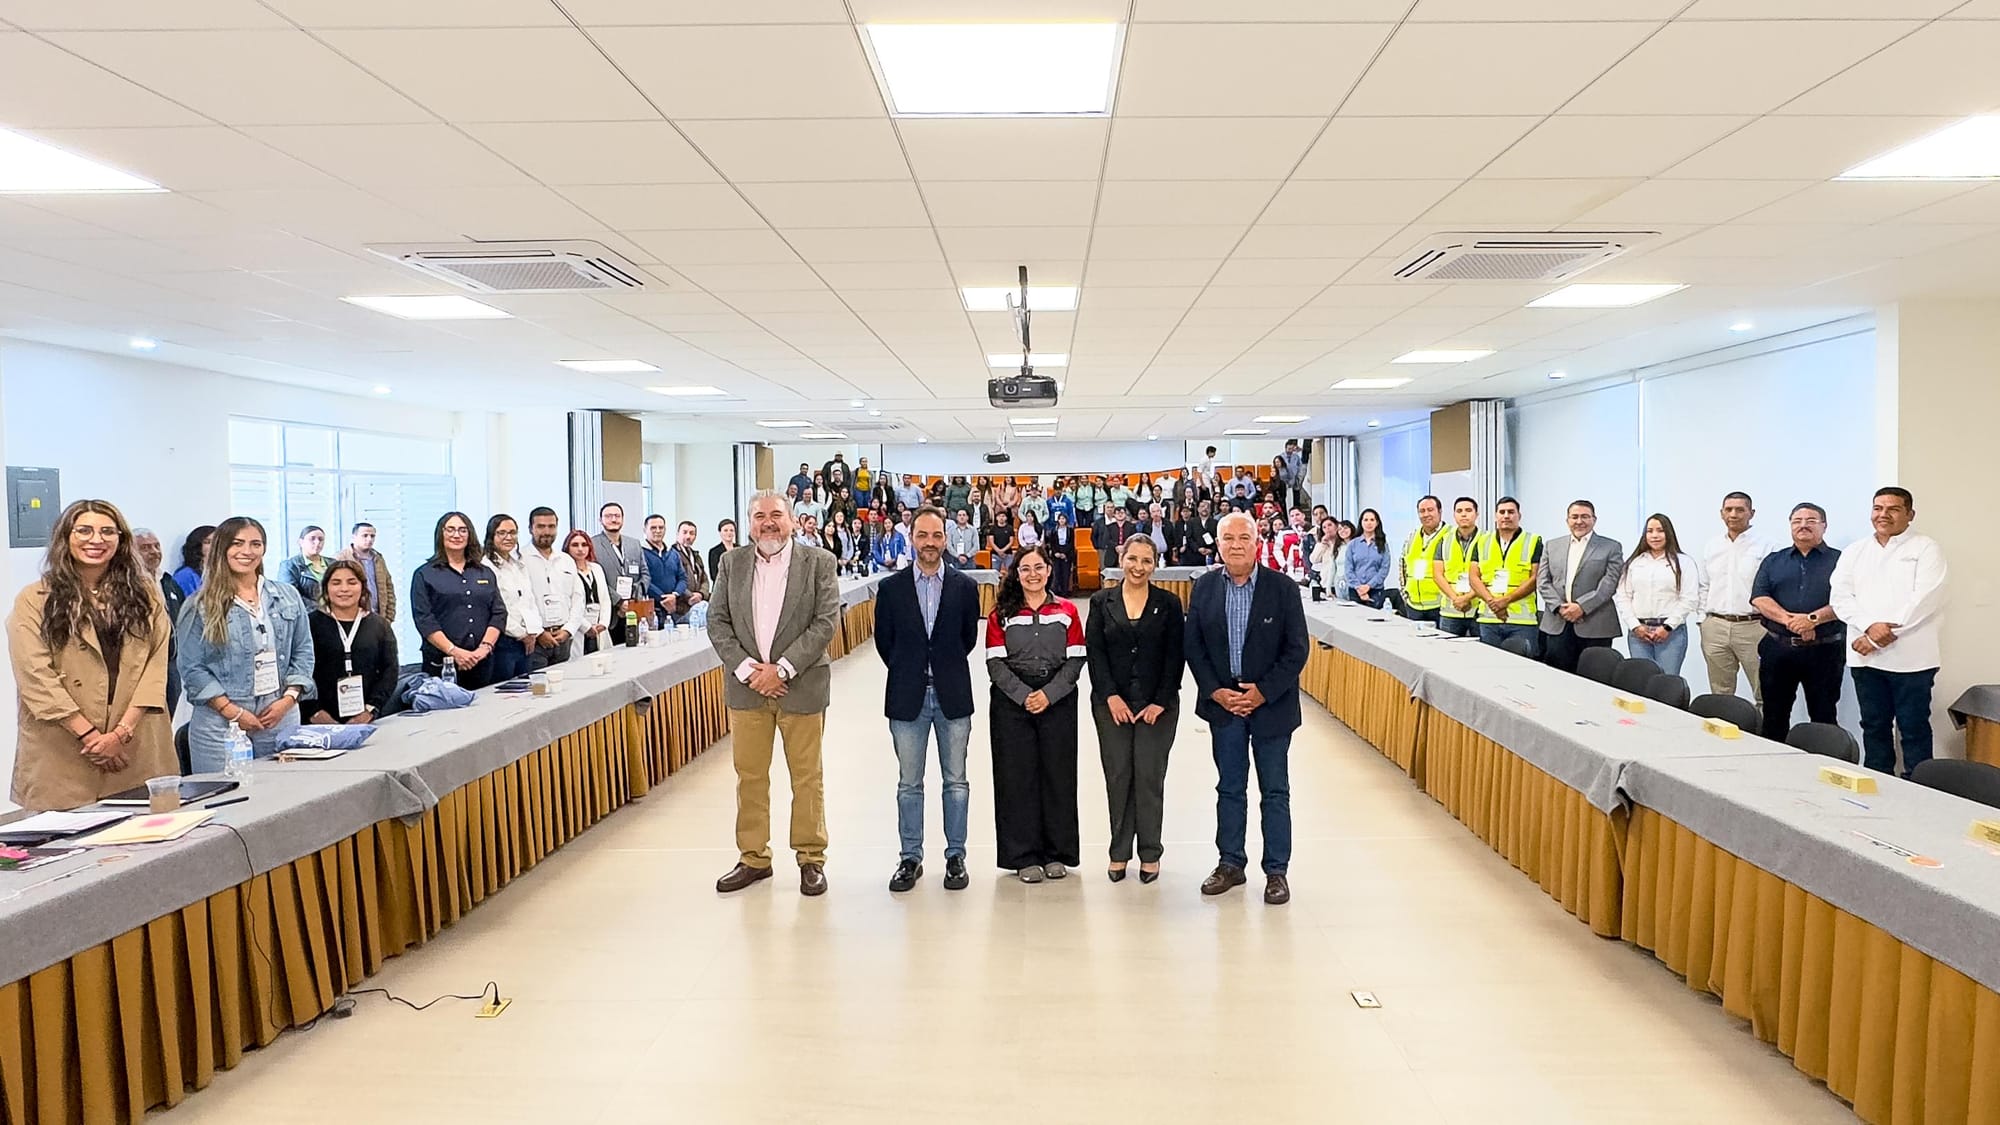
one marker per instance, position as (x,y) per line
(191,791)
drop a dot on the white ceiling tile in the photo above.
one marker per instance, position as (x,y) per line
(885,275)
(1155,243)
(1036,204)
(519,213)
(579,84)
(675,12)
(939,301)
(197,158)
(1136,271)
(807,296)
(792,151)
(153,215)
(1270,11)
(1475,69)
(1355,201)
(1282,271)
(246,77)
(1285,297)
(1105,303)
(379,156)
(1472,11)
(136,15)
(823,205)
(1237,148)
(598,152)
(48,87)
(1398,148)
(1242,70)
(1690,201)
(1816,9)
(1981,205)
(666,206)
(1486,202)
(1759,240)
(1944,69)
(735,72)
(985,243)
(680,248)
(1746,67)
(1004,149)
(1281,240)
(1007,272)
(1588,147)
(867,244)
(1129,203)
(431,13)
(1802,148)
(1855,201)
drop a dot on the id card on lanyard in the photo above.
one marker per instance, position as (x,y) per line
(264,662)
(349,700)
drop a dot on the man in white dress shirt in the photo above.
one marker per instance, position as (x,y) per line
(554,588)
(1889,589)
(1730,628)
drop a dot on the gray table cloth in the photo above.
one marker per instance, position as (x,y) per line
(1980,701)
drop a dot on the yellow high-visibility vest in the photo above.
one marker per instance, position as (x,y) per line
(1420,590)
(1505,570)
(1457,560)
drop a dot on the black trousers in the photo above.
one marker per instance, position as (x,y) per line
(1034,783)
(1782,669)
(1135,779)
(1561,650)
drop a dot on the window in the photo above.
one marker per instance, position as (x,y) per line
(290,477)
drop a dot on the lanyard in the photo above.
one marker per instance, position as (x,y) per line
(347,633)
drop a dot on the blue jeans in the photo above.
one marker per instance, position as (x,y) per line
(1495,635)
(1668,654)
(1234,751)
(912,739)
(508,661)
(1458,626)
(1899,698)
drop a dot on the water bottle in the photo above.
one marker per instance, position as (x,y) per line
(240,757)
(645,633)
(448,671)
(631,629)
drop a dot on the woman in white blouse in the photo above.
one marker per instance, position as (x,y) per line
(1657,594)
(596,595)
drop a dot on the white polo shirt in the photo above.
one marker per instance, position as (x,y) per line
(1901,582)
(1730,565)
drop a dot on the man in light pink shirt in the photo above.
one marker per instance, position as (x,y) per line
(772,615)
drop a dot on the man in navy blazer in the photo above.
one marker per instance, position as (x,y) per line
(926,625)
(1247,645)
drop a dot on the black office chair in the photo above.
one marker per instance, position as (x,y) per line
(1668,689)
(1633,674)
(1974,781)
(1826,739)
(1598,664)
(1730,709)
(181,749)
(1520,644)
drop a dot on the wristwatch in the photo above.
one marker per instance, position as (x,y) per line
(1813,617)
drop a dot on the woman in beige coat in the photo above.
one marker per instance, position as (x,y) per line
(89,646)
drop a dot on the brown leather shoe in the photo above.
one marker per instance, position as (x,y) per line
(741,876)
(1221,879)
(812,879)
(1277,892)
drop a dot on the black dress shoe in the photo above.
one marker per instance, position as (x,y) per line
(906,876)
(741,876)
(1146,876)
(812,879)
(1277,891)
(1222,879)
(955,878)
(1117,874)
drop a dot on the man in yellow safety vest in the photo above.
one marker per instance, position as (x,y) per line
(1451,569)
(1421,597)
(1504,578)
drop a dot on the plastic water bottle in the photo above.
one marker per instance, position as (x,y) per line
(448,671)
(240,756)
(645,632)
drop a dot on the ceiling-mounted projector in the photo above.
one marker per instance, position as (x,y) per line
(1024,389)
(999,456)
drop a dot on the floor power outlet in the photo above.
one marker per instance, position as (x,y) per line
(492,1008)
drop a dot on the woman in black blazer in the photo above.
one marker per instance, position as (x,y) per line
(1133,642)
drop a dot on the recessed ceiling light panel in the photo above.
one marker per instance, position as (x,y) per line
(1280,419)
(785,424)
(434,306)
(1969,150)
(689,392)
(32,167)
(607,366)
(1443,355)
(1602,296)
(996,70)
(142,343)
(1358,384)
(1035,359)
(826,435)
(1041,298)
(1244,431)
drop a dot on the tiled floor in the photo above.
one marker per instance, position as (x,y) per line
(641,996)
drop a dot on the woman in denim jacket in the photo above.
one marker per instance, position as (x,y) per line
(244,649)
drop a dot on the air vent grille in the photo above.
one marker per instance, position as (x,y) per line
(523,267)
(1513,257)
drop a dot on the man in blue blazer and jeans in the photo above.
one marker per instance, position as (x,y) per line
(926,625)
(1247,645)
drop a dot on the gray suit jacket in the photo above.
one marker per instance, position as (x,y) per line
(805,626)
(1596,582)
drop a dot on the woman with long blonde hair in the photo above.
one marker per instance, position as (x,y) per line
(88,642)
(245,650)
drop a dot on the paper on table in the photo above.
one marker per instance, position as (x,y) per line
(63,823)
(152,829)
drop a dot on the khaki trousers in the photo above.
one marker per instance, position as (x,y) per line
(753,733)
(1727,646)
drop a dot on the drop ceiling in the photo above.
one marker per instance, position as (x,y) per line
(1231,224)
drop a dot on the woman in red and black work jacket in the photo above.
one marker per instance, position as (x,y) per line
(1034,654)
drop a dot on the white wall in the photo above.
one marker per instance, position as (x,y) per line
(704,488)
(1580,447)
(1393,468)
(526,464)
(1036,456)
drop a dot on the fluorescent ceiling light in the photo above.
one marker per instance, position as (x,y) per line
(856,403)
(1152,437)
(1215,400)
(824,436)
(1602,296)
(436,306)
(1244,431)
(1028,417)
(1374,423)
(1382,384)
(688,392)
(1558,374)
(29,166)
(874,413)
(607,366)
(1443,355)
(1032,421)
(1969,150)
(785,425)
(1035,359)
(999,70)
(381,390)
(1741,326)
(1041,298)
(1280,419)
(923,441)
(1201,410)
(142,344)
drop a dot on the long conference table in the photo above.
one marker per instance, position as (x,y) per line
(1855,933)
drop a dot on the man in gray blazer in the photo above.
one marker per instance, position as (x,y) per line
(1578,575)
(774,608)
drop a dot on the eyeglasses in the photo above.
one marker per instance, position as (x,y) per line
(109,533)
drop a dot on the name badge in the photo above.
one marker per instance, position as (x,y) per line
(264,673)
(1499,583)
(1464,584)
(550,602)
(348,697)
(624,587)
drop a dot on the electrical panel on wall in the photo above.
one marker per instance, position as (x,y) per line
(34,499)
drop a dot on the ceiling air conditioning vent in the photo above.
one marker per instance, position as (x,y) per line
(866,426)
(522,267)
(1513,257)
